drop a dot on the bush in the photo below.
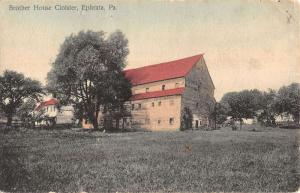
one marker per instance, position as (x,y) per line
(186,119)
(234,127)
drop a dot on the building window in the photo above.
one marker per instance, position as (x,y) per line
(171,102)
(139,106)
(176,85)
(153,104)
(132,107)
(197,105)
(147,89)
(159,103)
(163,87)
(158,121)
(47,109)
(171,121)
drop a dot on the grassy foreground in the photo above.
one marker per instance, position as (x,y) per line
(197,161)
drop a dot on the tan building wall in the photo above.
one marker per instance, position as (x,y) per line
(157,86)
(157,114)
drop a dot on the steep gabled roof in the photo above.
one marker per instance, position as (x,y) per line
(46,103)
(163,71)
(155,94)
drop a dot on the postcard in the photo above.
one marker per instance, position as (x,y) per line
(149,96)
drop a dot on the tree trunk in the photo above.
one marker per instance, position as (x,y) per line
(92,117)
(95,123)
(241,124)
(297,119)
(117,123)
(9,120)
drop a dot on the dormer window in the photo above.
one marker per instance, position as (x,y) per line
(163,87)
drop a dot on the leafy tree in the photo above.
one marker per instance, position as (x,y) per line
(288,101)
(242,104)
(14,90)
(27,114)
(186,119)
(219,113)
(267,108)
(88,73)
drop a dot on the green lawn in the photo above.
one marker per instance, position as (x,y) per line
(197,161)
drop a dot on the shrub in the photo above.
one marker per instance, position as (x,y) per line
(186,119)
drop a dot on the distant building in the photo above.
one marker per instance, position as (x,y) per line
(162,91)
(62,115)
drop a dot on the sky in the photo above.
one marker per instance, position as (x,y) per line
(247,44)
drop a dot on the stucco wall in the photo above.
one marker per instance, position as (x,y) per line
(157,86)
(145,116)
(157,117)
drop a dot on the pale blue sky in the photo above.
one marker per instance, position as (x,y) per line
(247,44)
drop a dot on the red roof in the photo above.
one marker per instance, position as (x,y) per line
(155,94)
(46,103)
(163,71)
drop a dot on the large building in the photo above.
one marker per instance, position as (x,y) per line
(162,91)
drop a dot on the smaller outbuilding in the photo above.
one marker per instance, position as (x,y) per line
(53,113)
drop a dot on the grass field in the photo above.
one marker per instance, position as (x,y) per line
(197,161)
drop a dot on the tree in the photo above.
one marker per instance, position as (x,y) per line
(219,113)
(267,108)
(242,104)
(14,90)
(27,114)
(88,73)
(186,119)
(288,101)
